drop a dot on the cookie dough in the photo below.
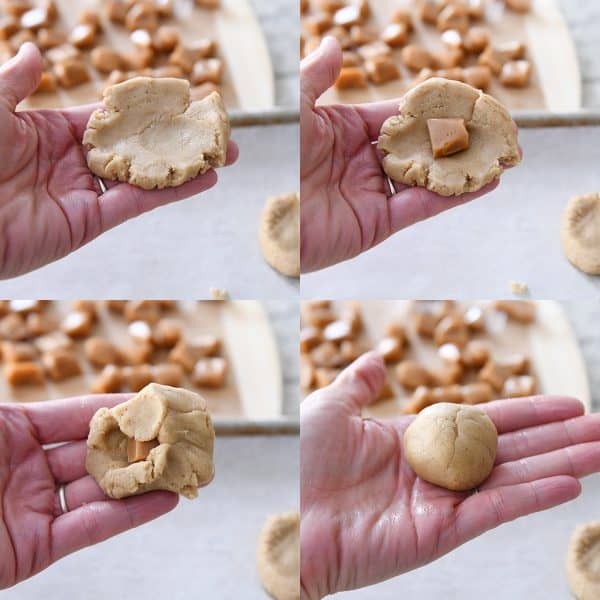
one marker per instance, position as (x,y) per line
(583,562)
(580,233)
(161,439)
(151,135)
(279,233)
(452,445)
(278,556)
(406,145)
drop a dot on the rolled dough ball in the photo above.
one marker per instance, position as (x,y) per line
(580,233)
(161,439)
(583,562)
(150,134)
(408,154)
(452,445)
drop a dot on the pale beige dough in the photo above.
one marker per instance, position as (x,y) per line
(151,135)
(580,233)
(181,462)
(278,556)
(405,143)
(279,233)
(583,562)
(451,445)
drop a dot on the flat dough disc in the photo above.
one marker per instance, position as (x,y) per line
(278,556)
(405,142)
(150,134)
(280,233)
(580,233)
(583,562)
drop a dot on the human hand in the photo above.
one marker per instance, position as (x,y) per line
(367,517)
(50,202)
(33,531)
(346,203)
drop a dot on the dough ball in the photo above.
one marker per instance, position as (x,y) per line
(151,135)
(583,562)
(280,233)
(452,445)
(278,556)
(405,143)
(580,233)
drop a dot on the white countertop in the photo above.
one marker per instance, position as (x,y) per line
(204,549)
(474,250)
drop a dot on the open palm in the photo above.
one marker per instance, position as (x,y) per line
(33,531)
(366,517)
(50,203)
(347,203)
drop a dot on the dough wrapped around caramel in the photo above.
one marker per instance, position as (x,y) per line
(161,439)
(151,135)
(407,148)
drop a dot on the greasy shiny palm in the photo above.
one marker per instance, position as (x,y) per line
(367,517)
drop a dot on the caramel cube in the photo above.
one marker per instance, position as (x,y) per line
(210,372)
(395,34)
(521,6)
(377,48)
(166,38)
(109,381)
(62,53)
(77,324)
(330,6)
(143,310)
(519,387)
(348,16)
(412,374)
(416,57)
(47,83)
(61,364)
(477,393)
(166,333)
(522,311)
(318,24)
(453,16)
(381,70)
(493,58)
(105,59)
(136,353)
(83,36)
(512,50)
(138,377)
(350,59)
(137,450)
(309,338)
(391,349)
(207,70)
(101,352)
(142,15)
(115,11)
(479,77)
(50,38)
(351,77)
(71,73)
(403,16)
(13,327)
(167,374)
(476,40)
(447,136)
(24,373)
(361,35)
(8,27)
(428,11)
(515,74)
(35,19)
(18,352)
(448,58)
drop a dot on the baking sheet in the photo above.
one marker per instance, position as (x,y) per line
(233,26)
(555,84)
(253,387)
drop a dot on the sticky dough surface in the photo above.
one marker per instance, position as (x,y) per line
(151,135)
(404,139)
(580,233)
(583,562)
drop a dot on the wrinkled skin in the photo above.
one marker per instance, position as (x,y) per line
(366,517)
(347,206)
(50,203)
(33,531)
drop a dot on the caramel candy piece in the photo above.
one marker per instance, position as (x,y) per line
(137,377)
(374,50)
(350,351)
(61,364)
(424,323)
(105,59)
(337,331)
(137,450)
(71,73)
(522,311)
(40,323)
(166,333)
(475,354)
(318,24)
(519,387)
(116,306)
(404,17)
(479,77)
(16,8)
(515,74)
(398,331)
(185,56)
(91,18)
(8,27)
(13,327)
(138,59)
(476,40)
(207,70)
(115,11)
(421,398)
(391,349)
(24,373)
(83,36)
(450,353)
(210,372)
(143,310)
(77,324)
(136,353)
(21,37)
(512,50)
(53,341)
(412,374)
(495,374)
(348,16)
(307,373)
(109,381)
(428,11)
(62,53)
(455,74)
(447,375)
(416,57)
(474,319)
(35,19)
(18,352)
(386,392)
(142,15)
(309,338)
(447,136)
(166,38)
(141,38)
(493,58)
(477,393)
(521,6)
(395,34)
(326,354)
(47,83)
(101,352)
(448,58)
(452,38)
(167,374)
(198,92)
(351,77)
(187,354)
(168,71)
(453,16)
(325,376)
(50,38)
(342,35)
(361,35)
(210,4)
(381,70)
(350,59)
(330,6)
(140,332)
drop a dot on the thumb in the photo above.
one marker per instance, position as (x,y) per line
(20,76)
(319,70)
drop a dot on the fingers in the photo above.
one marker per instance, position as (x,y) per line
(82,491)
(485,510)
(537,440)
(20,76)
(514,414)
(67,462)
(575,461)
(79,116)
(97,521)
(416,204)
(358,385)
(68,420)
(375,113)
(319,70)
